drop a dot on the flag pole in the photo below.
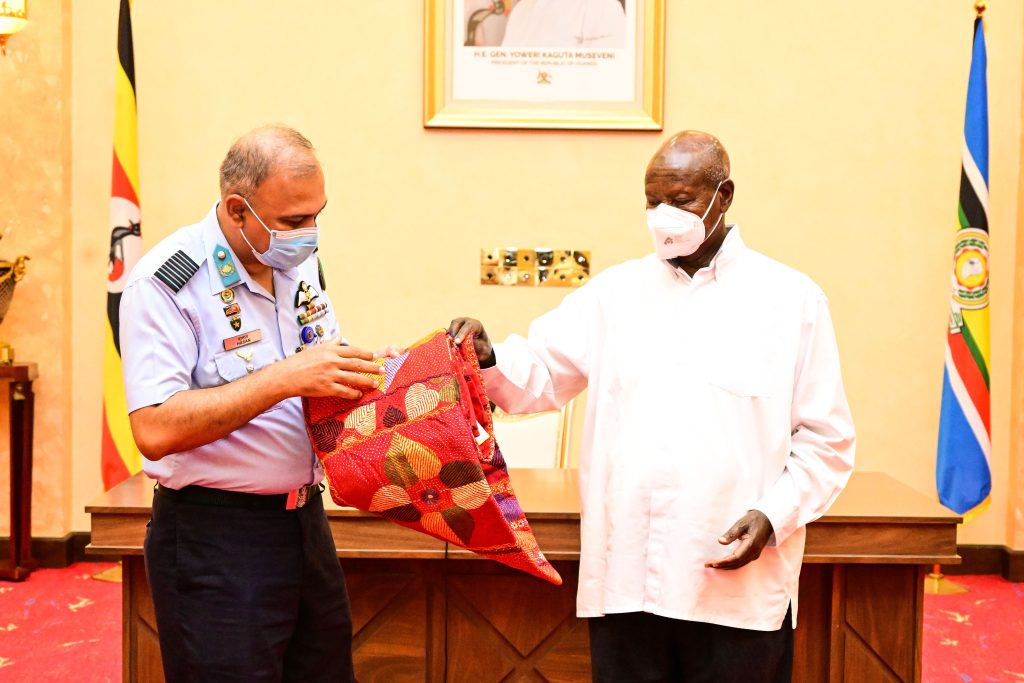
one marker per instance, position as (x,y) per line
(937,584)
(964,452)
(119,457)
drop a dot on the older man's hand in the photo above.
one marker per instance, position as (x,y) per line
(753,531)
(460,328)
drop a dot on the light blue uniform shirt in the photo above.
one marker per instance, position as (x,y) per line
(173,341)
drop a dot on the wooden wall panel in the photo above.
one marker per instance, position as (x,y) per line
(505,626)
(879,616)
(140,622)
(856,623)
(568,661)
(396,609)
(861,665)
(814,625)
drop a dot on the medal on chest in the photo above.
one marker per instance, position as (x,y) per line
(232,310)
(310,309)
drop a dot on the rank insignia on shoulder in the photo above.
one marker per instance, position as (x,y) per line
(176,270)
(225,266)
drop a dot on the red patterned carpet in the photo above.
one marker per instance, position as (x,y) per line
(61,625)
(975,637)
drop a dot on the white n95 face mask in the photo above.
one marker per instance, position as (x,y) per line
(287,248)
(676,232)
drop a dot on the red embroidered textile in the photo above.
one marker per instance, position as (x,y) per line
(412,451)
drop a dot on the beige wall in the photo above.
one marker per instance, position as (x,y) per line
(1015,513)
(843,120)
(35,176)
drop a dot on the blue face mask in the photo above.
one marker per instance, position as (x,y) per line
(288,248)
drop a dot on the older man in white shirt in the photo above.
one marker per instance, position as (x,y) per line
(717,428)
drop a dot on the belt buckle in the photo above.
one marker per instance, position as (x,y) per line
(298,498)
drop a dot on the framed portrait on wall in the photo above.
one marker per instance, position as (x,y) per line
(587,64)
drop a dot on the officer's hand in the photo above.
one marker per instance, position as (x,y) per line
(331,369)
(463,327)
(753,531)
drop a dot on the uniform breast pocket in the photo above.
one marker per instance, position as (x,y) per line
(232,365)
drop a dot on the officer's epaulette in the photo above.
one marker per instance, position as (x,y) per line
(177,270)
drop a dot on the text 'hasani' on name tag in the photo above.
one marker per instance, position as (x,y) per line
(252,337)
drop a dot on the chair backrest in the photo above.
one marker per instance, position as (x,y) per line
(537,440)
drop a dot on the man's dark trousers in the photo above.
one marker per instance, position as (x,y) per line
(637,647)
(246,592)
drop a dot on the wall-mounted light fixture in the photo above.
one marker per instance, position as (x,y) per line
(13,18)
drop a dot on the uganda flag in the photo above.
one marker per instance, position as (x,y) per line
(120,458)
(962,472)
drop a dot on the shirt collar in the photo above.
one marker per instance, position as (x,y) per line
(214,240)
(728,254)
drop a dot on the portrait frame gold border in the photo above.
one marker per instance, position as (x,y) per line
(438,113)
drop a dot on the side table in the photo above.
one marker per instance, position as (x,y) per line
(19,377)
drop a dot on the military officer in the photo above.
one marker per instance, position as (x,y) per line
(224,325)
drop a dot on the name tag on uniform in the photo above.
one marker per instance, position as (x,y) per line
(252,337)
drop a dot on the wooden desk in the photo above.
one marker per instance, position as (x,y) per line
(420,608)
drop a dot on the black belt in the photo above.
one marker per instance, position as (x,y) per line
(200,495)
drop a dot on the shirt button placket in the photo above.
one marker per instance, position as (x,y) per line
(660,518)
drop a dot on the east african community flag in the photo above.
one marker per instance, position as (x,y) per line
(962,472)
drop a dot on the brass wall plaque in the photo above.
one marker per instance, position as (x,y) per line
(541,267)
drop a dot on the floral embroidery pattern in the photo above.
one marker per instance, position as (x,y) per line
(425,490)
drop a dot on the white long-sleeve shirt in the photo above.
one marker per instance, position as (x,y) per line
(708,397)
